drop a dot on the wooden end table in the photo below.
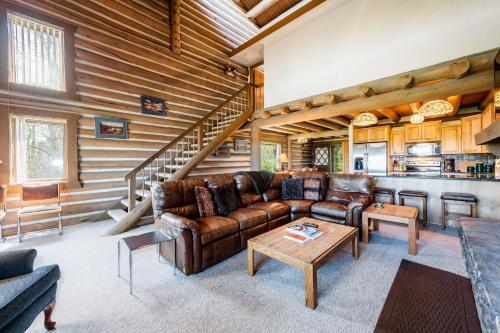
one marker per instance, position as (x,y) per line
(308,256)
(393,213)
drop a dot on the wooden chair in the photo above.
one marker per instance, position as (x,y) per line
(38,193)
(3,207)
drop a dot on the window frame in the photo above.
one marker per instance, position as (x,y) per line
(278,152)
(68,55)
(14,145)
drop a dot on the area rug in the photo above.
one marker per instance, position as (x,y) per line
(426,299)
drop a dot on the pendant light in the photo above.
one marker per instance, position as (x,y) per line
(365,119)
(435,108)
(416,118)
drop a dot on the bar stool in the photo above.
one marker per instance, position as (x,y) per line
(422,195)
(457,199)
(384,192)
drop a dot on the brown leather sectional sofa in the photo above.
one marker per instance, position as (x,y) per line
(205,241)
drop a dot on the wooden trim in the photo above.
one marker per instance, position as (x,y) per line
(278,25)
(175,26)
(317,135)
(69,55)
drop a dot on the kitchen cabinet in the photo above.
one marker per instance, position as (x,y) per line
(470,126)
(424,132)
(451,142)
(488,117)
(398,141)
(371,134)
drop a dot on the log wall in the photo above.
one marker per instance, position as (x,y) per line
(123,51)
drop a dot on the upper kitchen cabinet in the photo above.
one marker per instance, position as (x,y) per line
(424,132)
(488,117)
(451,138)
(397,141)
(371,134)
(470,126)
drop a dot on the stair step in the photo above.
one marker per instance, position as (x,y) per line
(117,214)
(147,193)
(125,202)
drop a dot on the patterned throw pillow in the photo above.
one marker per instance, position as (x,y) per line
(225,199)
(292,189)
(204,200)
(311,188)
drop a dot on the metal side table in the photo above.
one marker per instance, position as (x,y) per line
(144,240)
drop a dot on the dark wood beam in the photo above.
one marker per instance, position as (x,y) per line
(390,113)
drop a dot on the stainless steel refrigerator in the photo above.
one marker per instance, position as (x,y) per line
(370,158)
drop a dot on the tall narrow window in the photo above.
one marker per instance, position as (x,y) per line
(37,149)
(321,158)
(338,160)
(36,53)
(269,156)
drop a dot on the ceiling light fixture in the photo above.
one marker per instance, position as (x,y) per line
(302,140)
(497,99)
(435,108)
(365,119)
(416,118)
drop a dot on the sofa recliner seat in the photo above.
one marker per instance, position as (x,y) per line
(216,227)
(331,210)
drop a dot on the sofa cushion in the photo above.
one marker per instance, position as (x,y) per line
(246,190)
(298,206)
(18,293)
(225,199)
(273,209)
(292,189)
(312,189)
(248,217)
(204,200)
(322,176)
(176,197)
(216,227)
(273,192)
(342,182)
(330,208)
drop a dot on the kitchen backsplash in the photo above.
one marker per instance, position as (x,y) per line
(462,161)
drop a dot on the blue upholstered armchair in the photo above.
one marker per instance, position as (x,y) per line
(25,293)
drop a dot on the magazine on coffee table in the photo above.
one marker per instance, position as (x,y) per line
(302,232)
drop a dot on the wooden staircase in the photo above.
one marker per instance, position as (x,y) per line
(178,158)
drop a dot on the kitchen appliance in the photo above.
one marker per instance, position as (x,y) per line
(370,158)
(489,168)
(470,169)
(449,165)
(423,149)
(480,168)
(425,167)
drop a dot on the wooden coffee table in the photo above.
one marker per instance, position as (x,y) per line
(393,213)
(308,256)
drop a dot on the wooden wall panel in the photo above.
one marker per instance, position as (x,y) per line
(122,50)
(301,155)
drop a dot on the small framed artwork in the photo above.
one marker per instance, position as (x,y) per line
(111,128)
(240,145)
(153,106)
(223,151)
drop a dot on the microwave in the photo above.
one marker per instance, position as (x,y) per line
(423,149)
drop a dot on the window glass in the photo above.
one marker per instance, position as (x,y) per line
(338,163)
(321,156)
(269,156)
(36,53)
(38,149)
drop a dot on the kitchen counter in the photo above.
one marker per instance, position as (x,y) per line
(452,176)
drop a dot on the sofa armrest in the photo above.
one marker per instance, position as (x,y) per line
(180,222)
(16,263)
(354,210)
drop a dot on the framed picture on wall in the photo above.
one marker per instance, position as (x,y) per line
(241,145)
(223,151)
(153,106)
(111,128)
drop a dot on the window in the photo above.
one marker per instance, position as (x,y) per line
(338,158)
(321,156)
(36,53)
(37,149)
(269,156)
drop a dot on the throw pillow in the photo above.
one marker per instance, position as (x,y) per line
(292,189)
(204,200)
(311,188)
(226,199)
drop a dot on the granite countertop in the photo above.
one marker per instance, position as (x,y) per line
(451,176)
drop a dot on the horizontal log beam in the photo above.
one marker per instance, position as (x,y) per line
(340,120)
(390,113)
(455,102)
(324,134)
(470,84)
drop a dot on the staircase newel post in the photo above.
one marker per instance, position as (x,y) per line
(200,137)
(131,192)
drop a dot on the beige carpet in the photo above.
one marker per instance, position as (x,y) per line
(224,298)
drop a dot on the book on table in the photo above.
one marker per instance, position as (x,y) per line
(302,232)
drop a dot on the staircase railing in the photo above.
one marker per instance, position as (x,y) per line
(180,156)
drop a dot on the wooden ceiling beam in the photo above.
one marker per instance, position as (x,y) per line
(406,81)
(260,7)
(490,98)
(455,102)
(325,123)
(358,92)
(469,84)
(325,99)
(390,113)
(459,69)
(340,120)
(310,127)
(324,134)
(296,106)
(415,106)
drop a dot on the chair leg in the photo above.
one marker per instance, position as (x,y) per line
(424,217)
(19,229)
(48,323)
(443,214)
(60,225)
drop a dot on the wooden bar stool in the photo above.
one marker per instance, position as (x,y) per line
(385,192)
(457,198)
(422,195)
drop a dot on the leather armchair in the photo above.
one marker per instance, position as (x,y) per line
(25,292)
